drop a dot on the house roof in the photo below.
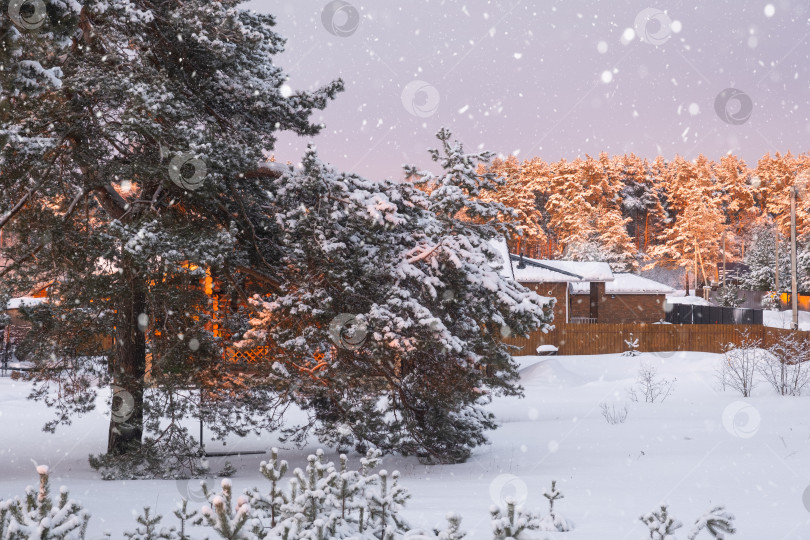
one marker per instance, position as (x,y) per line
(27,301)
(626,283)
(545,270)
(550,271)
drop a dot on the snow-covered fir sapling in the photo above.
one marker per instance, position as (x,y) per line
(554,521)
(631,347)
(270,504)
(40,518)
(312,492)
(185,516)
(350,495)
(660,524)
(729,296)
(717,522)
(150,528)
(385,505)
(453,530)
(227,471)
(228,521)
(368,464)
(511,521)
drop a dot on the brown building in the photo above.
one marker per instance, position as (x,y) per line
(553,279)
(629,298)
(589,292)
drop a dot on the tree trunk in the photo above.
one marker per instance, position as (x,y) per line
(646,229)
(128,368)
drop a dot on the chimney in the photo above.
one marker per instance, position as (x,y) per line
(521,264)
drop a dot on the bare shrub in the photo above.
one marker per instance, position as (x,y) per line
(786,365)
(613,415)
(739,365)
(649,387)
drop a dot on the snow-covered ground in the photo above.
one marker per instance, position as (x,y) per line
(784,319)
(700,448)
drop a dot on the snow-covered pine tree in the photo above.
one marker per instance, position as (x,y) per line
(639,198)
(660,524)
(717,521)
(586,213)
(385,505)
(695,215)
(129,177)
(150,528)
(453,530)
(228,521)
(518,193)
(554,521)
(313,496)
(416,271)
(759,257)
(511,521)
(270,503)
(729,296)
(41,517)
(185,516)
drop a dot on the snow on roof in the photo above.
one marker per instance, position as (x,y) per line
(626,283)
(546,271)
(275,167)
(691,300)
(27,301)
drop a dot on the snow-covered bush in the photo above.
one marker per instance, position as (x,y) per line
(649,387)
(729,296)
(613,415)
(632,347)
(661,526)
(512,520)
(324,502)
(453,530)
(739,364)
(39,517)
(717,522)
(786,365)
(771,301)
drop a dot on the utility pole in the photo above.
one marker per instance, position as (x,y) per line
(724,260)
(793,287)
(776,270)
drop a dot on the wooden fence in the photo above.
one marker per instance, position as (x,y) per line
(610,338)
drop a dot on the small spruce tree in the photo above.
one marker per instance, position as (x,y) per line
(149,528)
(660,524)
(41,517)
(228,521)
(511,521)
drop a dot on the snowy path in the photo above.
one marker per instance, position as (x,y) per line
(691,451)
